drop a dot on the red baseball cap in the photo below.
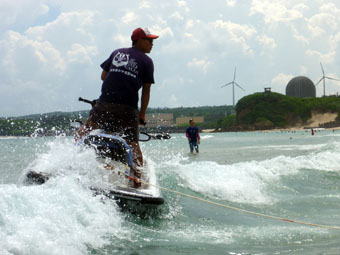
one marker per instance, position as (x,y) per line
(140,33)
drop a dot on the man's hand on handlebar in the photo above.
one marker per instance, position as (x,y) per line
(142,122)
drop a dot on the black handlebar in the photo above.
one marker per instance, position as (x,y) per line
(93,102)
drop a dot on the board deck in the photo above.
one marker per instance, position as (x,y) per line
(130,194)
(117,193)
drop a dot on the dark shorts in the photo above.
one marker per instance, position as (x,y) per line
(193,145)
(116,118)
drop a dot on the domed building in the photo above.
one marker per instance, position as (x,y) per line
(300,86)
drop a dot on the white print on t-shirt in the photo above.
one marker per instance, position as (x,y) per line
(122,71)
(132,66)
(121,59)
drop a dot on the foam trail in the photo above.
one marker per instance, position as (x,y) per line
(250,182)
(62,216)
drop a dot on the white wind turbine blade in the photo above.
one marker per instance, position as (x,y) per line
(239,86)
(331,78)
(319,81)
(323,71)
(234,74)
(227,84)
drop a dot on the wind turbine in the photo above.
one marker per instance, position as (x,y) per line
(324,80)
(233,83)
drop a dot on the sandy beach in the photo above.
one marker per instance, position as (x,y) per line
(314,122)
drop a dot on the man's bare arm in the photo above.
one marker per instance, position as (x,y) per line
(103,76)
(144,100)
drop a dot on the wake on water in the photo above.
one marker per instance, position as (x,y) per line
(252,182)
(63,217)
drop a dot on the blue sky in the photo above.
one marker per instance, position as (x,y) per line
(50,50)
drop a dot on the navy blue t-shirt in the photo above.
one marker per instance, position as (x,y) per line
(192,133)
(127,70)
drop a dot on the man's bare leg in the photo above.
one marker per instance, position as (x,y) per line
(137,161)
(85,129)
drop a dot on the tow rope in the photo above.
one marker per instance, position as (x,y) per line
(223,205)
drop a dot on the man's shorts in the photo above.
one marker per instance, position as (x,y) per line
(193,145)
(116,118)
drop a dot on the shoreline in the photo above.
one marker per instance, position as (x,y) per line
(10,136)
(317,122)
(210,131)
(291,129)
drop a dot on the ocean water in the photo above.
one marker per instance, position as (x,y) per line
(294,176)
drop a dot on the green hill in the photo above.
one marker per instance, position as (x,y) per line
(47,123)
(253,112)
(274,110)
(59,122)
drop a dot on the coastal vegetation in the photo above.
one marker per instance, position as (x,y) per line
(59,122)
(274,110)
(253,112)
(40,124)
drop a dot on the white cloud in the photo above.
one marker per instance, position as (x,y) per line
(181,3)
(176,15)
(267,41)
(145,5)
(189,35)
(80,53)
(299,36)
(21,11)
(326,21)
(202,64)
(50,50)
(122,40)
(164,32)
(277,11)
(231,3)
(320,22)
(189,24)
(280,81)
(68,28)
(234,29)
(330,7)
(42,53)
(129,17)
(237,33)
(327,57)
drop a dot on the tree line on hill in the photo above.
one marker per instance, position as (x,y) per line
(253,112)
(59,122)
(274,110)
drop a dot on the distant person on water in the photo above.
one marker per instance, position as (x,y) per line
(193,136)
(124,73)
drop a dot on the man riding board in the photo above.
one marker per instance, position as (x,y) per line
(124,73)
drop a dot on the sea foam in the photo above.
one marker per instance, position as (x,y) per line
(62,216)
(250,182)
